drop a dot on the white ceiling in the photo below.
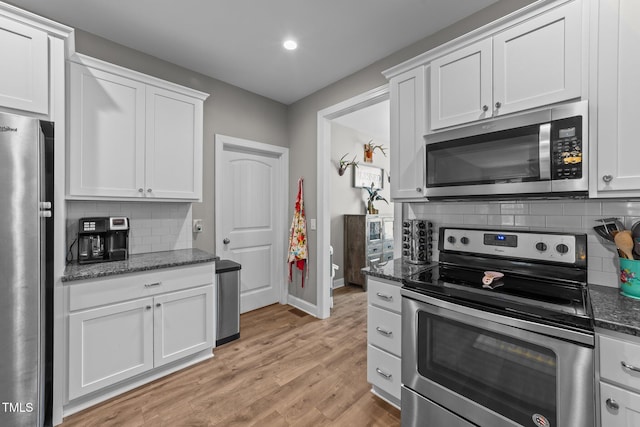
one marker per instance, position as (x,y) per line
(240,41)
(373,120)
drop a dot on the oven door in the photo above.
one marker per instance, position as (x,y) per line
(492,370)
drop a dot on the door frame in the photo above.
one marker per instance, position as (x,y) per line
(325,116)
(281,154)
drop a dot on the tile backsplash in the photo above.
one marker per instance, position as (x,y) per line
(154,226)
(578,216)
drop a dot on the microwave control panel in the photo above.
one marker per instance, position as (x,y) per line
(566,148)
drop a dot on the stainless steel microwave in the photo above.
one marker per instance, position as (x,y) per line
(542,154)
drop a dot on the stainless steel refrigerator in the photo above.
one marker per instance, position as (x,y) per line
(26,277)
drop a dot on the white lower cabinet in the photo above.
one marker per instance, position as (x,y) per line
(160,318)
(384,349)
(109,344)
(619,369)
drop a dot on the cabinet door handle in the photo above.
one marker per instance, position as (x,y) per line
(485,108)
(629,367)
(383,373)
(384,331)
(148,307)
(419,189)
(140,190)
(151,285)
(607,178)
(158,304)
(385,296)
(149,190)
(498,104)
(612,404)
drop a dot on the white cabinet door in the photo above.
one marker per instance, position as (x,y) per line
(538,62)
(109,344)
(173,145)
(106,144)
(618,90)
(407,103)
(461,86)
(619,407)
(24,73)
(183,324)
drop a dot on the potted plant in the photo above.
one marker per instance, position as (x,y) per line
(374,194)
(369,148)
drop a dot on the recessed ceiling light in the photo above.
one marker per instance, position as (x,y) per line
(290,44)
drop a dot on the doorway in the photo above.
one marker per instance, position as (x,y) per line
(251,181)
(326,167)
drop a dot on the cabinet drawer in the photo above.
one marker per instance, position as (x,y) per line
(613,354)
(387,245)
(387,256)
(374,248)
(383,371)
(383,330)
(628,412)
(108,290)
(385,295)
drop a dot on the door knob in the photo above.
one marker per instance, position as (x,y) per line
(612,404)
(226,241)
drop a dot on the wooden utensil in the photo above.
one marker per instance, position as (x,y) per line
(624,242)
(635,233)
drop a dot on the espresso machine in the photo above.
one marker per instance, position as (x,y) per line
(102,239)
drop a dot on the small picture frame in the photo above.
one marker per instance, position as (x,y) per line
(363,176)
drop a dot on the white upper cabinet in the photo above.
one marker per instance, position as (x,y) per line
(24,74)
(407,116)
(132,136)
(616,90)
(107,154)
(461,86)
(533,63)
(173,145)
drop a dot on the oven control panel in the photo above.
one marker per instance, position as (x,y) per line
(554,247)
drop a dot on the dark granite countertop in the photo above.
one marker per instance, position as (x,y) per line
(136,263)
(614,311)
(394,270)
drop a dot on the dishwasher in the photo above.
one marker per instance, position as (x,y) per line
(228,297)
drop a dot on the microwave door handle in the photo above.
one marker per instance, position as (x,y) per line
(544,154)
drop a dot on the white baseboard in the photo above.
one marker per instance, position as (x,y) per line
(303,305)
(338,283)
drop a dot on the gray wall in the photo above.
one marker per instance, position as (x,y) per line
(303,115)
(229,110)
(345,199)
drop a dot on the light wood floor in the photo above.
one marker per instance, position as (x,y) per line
(287,369)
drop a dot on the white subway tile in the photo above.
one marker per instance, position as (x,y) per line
(537,221)
(501,220)
(559,221)
(621,208)
(474,219)
(488,208)
(583,207)
(602,278)
(546,208)
(514,208)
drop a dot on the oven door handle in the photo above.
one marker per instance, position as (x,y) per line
(629,367)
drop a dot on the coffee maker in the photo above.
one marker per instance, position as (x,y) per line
(102,239)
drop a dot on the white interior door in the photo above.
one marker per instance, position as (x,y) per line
(251,189)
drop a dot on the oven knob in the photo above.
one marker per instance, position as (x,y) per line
(406,246)
(421,225)
(562,248)
(406,224)
(421,240)
(406,231)
(451,239)
(421,232)
(541,246)
(464,240)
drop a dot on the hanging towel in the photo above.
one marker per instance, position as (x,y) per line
(298,238)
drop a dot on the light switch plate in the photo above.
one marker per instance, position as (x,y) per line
(312,223)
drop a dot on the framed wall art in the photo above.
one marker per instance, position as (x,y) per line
(363,176)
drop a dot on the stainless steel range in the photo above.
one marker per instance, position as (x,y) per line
(500,333)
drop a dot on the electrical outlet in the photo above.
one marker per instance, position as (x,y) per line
(197,226)
(313,223)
